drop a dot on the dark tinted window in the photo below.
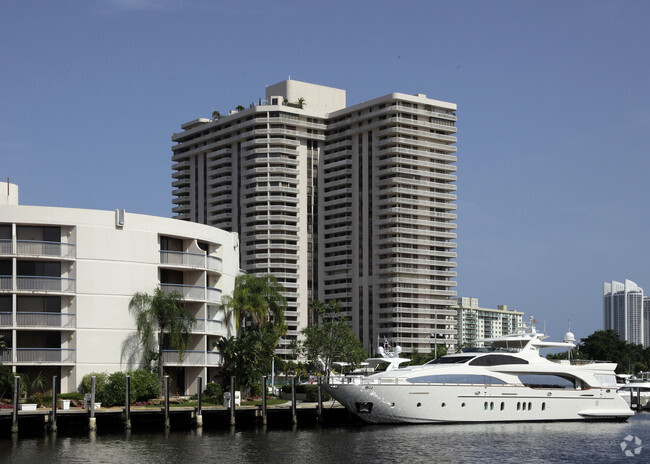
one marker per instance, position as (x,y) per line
(457,378)
(546,381)
(497,360)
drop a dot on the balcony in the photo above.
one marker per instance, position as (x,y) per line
(49,249)
(5,320)
(193,292)
(214,358)
(6,356)
(5,247)
(46,355)
(41,284)
(42,319)
(190,260)
(190,358)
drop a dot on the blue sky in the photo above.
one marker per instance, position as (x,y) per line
(553,131)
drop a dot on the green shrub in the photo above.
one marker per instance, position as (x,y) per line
(115,390)
(144,385)
(213,393)
(101,381)
(71,396)
(256,390)
(6,381)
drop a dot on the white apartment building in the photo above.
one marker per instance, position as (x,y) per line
(350,203)
(624,311)
(476,323)
(67,276)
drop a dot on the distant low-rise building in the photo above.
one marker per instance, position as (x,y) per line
(476,323)
(67,277)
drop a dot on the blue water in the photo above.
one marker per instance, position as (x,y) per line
(574,442)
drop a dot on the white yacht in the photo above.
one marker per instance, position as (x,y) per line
(636,391)
(509,381)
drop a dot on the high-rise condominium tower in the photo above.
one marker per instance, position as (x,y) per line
(354,204)
(623,311)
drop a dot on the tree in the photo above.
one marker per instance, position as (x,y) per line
(258,302)
(216,115)
(240,108)
(330,338)
(257,305)
(606,345)
(301,102)
(161,318)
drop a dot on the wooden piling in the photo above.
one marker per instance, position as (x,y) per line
(294,414)
(167,424)
(54,395)
(14,417)
(199,397)
(232,400)
(127,403)
(264,379)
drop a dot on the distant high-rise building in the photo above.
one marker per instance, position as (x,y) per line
(476,323)
(623,311)
(354,204)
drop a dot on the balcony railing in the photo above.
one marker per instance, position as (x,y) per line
(214,263)
(6,356)
(45,284)
(41,319)
(5,283)
(5,247)
(214,295)
(193,260)
(178,258)
(5,320)
(207,325)
(46,355)
(214,358)
(189,357)
(34,248)
(193,292)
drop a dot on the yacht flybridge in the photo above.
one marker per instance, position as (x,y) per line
(508,381)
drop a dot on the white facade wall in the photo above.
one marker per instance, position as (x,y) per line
(106,265)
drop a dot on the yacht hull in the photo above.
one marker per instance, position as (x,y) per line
(413,404)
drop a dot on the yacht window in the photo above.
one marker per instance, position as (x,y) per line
(497,360)
(606,380)
(457,378)
(548,381)
(451,360)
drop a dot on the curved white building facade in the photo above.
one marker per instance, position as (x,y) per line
(67,276)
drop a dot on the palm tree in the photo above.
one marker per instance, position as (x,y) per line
(301,102)
(159,317)
(258,301)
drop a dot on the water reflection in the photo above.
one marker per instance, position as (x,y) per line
(516,442)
